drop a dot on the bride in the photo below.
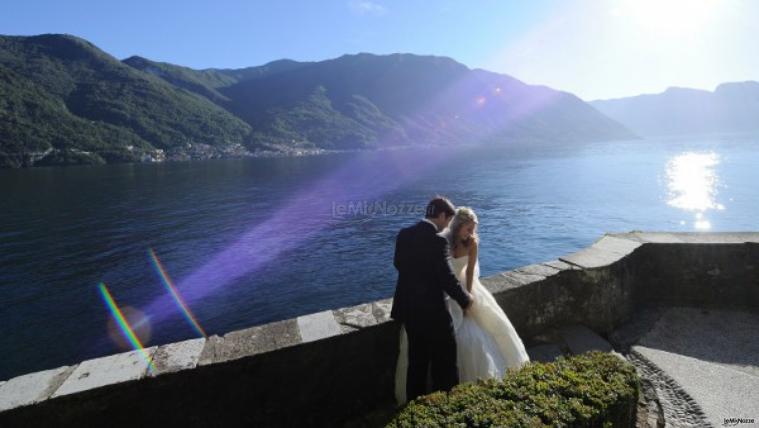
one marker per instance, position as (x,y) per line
(486,342)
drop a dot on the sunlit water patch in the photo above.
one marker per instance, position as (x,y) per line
(692,182)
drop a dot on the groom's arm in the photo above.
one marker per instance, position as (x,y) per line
(399,257)
(446,277)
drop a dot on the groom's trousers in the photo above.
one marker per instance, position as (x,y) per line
(430,347)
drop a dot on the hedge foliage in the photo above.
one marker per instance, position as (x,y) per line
(594,389)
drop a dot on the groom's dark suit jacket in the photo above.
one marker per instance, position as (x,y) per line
(424,273)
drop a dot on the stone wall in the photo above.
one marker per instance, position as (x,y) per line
(331,366)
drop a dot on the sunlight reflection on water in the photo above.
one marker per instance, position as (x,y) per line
(692,184)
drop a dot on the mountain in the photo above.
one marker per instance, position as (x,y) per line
(63,100)
(207,82)
(367,101)
(732,107)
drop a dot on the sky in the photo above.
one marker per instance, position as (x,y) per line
(596,49)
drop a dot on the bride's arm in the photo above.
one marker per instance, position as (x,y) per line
(470,264)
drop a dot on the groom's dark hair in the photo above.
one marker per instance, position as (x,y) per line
(439,204)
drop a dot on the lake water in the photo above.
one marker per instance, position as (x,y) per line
(256,240)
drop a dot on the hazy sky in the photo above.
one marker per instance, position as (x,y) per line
(593,48)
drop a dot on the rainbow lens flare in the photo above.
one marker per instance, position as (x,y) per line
(123,324)
(175,293)
(307,211)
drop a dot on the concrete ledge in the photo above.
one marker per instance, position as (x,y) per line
(362,316)
(318,326)
(337,364)
(690,237)
(31,388)
(542,270)
(249,342)
(558,264)
(517,278)
(177,356)
(108,370)
(605,251)
(498,284)
(617,244)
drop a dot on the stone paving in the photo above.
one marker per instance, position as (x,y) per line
(699,367)
(713,358)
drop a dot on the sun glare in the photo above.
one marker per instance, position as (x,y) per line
(668,17)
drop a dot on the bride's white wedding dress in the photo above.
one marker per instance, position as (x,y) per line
(486,342)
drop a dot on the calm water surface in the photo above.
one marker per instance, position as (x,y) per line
(252,241)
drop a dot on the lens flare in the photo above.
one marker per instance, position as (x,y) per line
(308,210)
(175,293)
(139,323)
(126,329)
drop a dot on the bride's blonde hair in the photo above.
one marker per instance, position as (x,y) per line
(463,216)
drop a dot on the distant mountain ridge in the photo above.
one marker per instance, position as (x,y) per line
(366,100)
(730,108)
(64,101)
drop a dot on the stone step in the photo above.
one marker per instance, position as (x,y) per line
(580,339)
(544,353)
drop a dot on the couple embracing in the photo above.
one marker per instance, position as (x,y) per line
(453,329)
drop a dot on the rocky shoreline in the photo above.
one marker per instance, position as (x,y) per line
(197,151)
(188,152)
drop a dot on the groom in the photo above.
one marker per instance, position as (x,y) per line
(424,273)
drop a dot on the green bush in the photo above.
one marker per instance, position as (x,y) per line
(595,389)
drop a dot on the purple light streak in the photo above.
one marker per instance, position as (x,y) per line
(308,211)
